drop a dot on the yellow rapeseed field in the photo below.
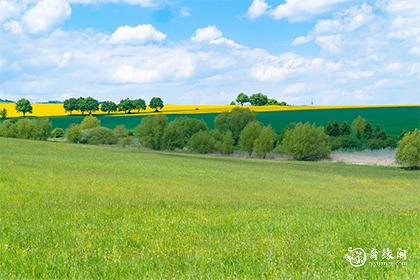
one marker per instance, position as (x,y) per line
(46,110)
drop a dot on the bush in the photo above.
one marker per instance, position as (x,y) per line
(202,142)
(126,141)
(265,142)
(35,129)
(408,150)
(150,131)
(120,131)
(226,145)
(333,129)
(234,121)
(74,133)
(376,144)
(90,122)
(57,133)
(305,142)
(358,125)
(178,132)
(100,136)
(248,136)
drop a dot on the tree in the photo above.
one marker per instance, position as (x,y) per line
(24,106)
(358,126)
(367,131)
(150,131)
(408,150)
(101,136)
(265,142)
(3,114)
(74,133)
(108,107)
(202,142)
(126,105)
(379,134)
(333,129)
(139,104)
(305,142)
(91,104)
(232,103)
(345,129)
(90,122)
(178,132)
(258,99)
(272,101)
(242,99)
(156,103)
(82,105)
(70,105)
(226,146)
(234,121)
(248,136)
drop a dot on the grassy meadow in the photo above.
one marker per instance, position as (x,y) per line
(73,211)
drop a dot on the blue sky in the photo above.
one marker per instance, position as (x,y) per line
(331,51)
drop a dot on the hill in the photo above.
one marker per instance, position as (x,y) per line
(126,213)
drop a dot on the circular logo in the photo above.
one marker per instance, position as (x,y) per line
(356,257)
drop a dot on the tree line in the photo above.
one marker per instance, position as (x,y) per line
(257,99)
(235,131)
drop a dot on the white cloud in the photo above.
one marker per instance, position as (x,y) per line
(143,3)
(301,40)
(8,9)
(295,88)
(139,34)
(45,14)
(298,10)
(257,8)
(212,35)
(330,43)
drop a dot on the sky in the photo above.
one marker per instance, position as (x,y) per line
(207,51)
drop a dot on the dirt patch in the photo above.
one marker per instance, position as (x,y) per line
(384,157)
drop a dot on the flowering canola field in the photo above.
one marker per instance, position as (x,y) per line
(47,110)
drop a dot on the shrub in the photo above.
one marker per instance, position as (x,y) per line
(248,136)
(35,129)
(8,129)
(178,132)
(265,142)
(234,121)
(101,136)
(408,150)
(226,145)
(376,144)
(202,142)
(90,122)
(120,131)
(333,129)
(126,141)
(305,142)
(3,114)
(150,131)
(74,133)
(358,126)
(57,133)
(345,129)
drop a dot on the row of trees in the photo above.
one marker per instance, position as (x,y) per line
(257,99)
(127,105)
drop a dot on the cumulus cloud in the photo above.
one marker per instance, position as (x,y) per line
(143,3)
(212,35)
(257,8)
(137,35)
(330,43)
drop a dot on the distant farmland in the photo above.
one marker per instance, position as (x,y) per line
(392,120)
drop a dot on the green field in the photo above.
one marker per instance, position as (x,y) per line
(392,120)
(74,211)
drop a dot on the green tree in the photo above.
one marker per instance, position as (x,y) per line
(234,121)
(3,114)
(367,131)
(82,105)
(333,129)
(126,105)
(24,106)
(57,133)
(202,142)
(345,129)
(120,131)
(379,134)
(139,104)
(265,142)
(358,125)
(74,133)
(70,105)
(408,150)
(108,107)
(242,99)
(258,99)
(150,131)
(90,122)
(226,145)
(232,103)
(92,105)
(156,103)
(101,136)
(178,132)
(272,101)
(305,142)
(248,136)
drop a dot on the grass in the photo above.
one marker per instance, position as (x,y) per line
(392,120)
(73,211)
